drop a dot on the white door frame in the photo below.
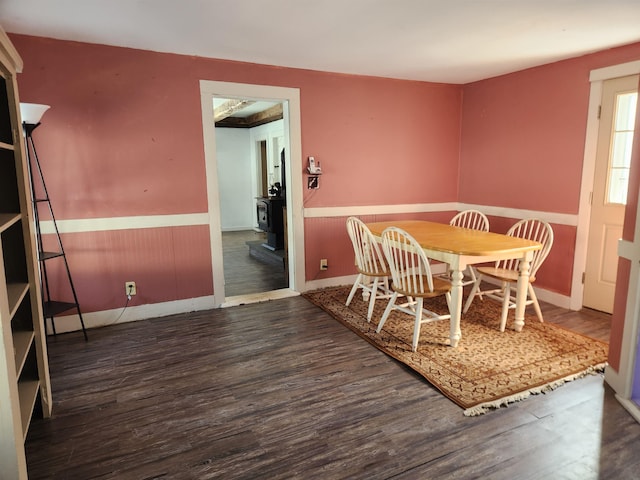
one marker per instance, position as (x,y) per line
(596,77)
(295,220)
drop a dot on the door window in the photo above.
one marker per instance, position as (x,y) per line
(620,158)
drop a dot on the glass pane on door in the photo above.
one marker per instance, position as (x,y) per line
(621,143)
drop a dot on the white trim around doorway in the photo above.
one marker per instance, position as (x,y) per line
(295,221)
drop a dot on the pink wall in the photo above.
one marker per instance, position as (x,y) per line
(137,114)
(166,263)
(118,140)
(124,138)
(517,129)
(522,146)
(371,135)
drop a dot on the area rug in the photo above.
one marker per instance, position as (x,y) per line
(488,369)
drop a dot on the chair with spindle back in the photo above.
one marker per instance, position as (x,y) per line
(474,220)
(373,272)
(506,271)
(411,278)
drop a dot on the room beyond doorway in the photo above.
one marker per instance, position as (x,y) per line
(251,163)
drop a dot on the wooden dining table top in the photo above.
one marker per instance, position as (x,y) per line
(457,240)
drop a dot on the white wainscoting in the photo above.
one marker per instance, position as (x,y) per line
(107,317)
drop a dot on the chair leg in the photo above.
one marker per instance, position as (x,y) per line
(372,298)
(387,311)
(418,322)
(506,294)
(474,290)
(472,273)
(536,306)
(366,293)
(354,289)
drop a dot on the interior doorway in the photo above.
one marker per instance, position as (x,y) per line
(251,159)
(290,99)
(613,159)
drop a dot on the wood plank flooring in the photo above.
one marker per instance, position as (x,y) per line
(245,274)
(281,390)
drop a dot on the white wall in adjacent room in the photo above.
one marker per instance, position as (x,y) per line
(235,178)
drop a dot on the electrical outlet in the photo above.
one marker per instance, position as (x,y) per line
(323,264)
(130,288)
(313,182)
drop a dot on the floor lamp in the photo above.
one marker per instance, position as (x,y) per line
(31,115)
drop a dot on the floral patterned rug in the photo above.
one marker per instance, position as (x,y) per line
(488,369)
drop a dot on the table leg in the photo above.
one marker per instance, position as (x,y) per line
(456,306)
(521,291)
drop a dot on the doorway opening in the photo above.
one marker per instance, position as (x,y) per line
(254,174)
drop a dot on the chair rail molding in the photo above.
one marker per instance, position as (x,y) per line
(355,210)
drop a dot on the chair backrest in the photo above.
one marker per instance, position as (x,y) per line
(473,219)
(368,254)
(531,229)
(410,269)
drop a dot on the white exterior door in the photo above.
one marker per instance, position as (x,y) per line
(613,157)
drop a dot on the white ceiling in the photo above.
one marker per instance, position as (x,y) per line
(247,111)
(452,41)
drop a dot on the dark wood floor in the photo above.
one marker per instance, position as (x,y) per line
(281,390)
(245,274)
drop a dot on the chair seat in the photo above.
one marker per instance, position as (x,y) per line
(503,274)
(378,273)
(440,287)
(374,275)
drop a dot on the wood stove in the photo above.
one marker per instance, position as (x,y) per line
(271,220)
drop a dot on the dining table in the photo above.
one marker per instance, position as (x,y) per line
(459,247)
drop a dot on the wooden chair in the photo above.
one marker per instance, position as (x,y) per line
(506,271)
(474,220)
(373,272)
(411,277)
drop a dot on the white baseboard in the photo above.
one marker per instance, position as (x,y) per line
(259,297)
(71,323)
(329,282)
(615,381)
(630,406)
